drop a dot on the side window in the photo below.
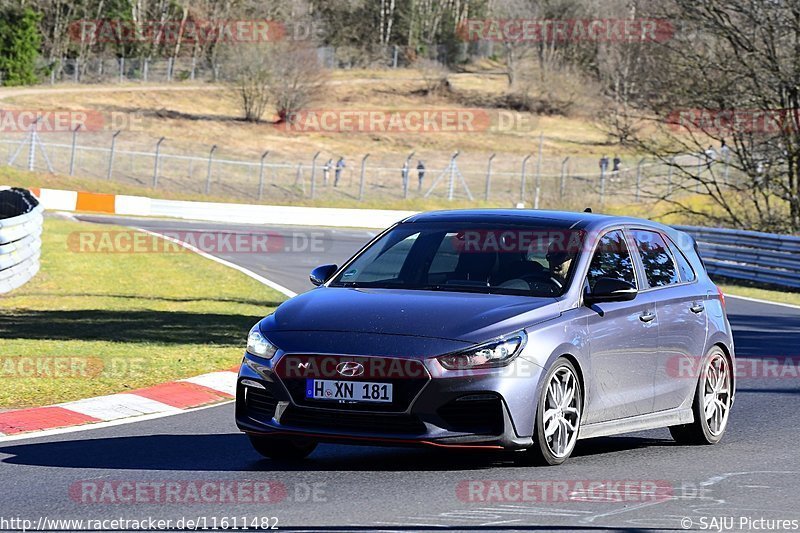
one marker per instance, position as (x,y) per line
(383,264)
(446,257)
(687,273)
(611,260)
(659,268)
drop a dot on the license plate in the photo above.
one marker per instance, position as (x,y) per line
(355,391)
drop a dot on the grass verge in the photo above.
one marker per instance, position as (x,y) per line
(100,323)
(792,298)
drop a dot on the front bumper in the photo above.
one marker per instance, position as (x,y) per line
(491,409)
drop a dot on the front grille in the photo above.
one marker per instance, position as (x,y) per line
(256,403)
(476,413)
(399,424)
(407,376)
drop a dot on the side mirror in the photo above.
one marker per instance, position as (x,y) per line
(610,290)
(321,274)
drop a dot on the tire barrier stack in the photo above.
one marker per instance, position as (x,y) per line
(20,237)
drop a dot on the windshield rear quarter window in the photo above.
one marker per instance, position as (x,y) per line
(611,259)
(659,267)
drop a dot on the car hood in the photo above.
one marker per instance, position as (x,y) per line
(466,317)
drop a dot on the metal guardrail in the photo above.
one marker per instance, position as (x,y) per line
(20,237)
(749,255)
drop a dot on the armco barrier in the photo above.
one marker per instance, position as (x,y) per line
(20,237)
(749,255)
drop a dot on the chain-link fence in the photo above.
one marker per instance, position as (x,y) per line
(182,68)
(500,179)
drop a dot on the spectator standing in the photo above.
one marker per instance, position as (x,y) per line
(617,162)
(603,165)
(339,167)
(326,171)
(724,151)
(711,155)
(404,175)
(420,173)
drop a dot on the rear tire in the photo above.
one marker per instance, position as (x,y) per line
(282,449)
(558,415)
(712,403)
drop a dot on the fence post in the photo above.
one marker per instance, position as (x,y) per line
(146,67)
(170,62)
(639,179)
(208,172)
(155,166)
(563,184)
(602,186)
(111,154)
(121,69)
(538,191)
(488,177)
(363,175)
(394,57)
(314,175)
(406,171)
(32,149)
(75,75)
(522,180)
(194,67)
(669,175)
(72,150)
(452,184)
(727,168)
(261,175)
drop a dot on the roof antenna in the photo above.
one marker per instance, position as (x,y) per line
(587,210)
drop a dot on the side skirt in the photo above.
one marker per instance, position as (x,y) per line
(672,417)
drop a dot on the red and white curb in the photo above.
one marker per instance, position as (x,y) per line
(205,390)
(158,400)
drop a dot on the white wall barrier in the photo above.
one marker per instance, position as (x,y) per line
(20,237)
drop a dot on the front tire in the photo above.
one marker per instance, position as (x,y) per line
(712,403)
(558,415)
(282,449)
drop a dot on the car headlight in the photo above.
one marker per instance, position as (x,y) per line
(491,354)
(258,345)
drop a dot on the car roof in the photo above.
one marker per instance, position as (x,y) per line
(559,219)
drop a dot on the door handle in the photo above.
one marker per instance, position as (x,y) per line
(647,317)
(697,308)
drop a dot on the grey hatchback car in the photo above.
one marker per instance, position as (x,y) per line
(495,329)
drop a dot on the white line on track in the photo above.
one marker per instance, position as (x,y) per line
(130,420)
(760,301)
(269,283)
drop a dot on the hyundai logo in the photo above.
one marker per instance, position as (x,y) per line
(350,369)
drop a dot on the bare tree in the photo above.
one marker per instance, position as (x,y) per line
(434,75)
(286,75)
(731,74)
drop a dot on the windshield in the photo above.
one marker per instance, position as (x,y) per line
(529,260)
